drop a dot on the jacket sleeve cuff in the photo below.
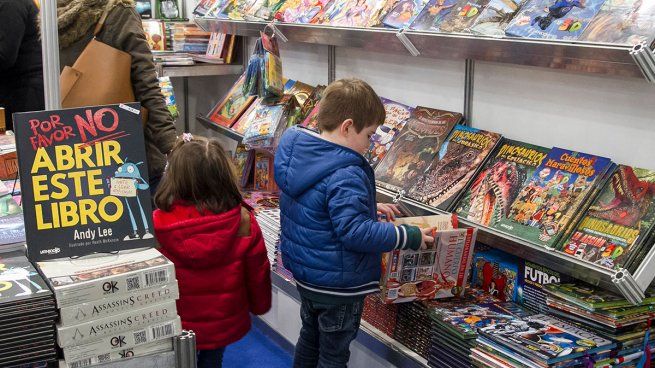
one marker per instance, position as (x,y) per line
(409,237)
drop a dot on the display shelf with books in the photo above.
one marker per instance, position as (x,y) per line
(574,56)
(220,129)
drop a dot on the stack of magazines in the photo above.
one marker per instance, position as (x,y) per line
(269,221)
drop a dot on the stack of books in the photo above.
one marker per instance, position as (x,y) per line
(379,314)
(269,222)
(12,228)
(189,38)
(114,307)
(413,327)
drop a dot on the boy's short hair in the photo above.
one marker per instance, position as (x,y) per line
(350,99)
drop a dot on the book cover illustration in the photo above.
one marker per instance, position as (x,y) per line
(311,121)
(19,280)
(496,17)
(456,162)
(155,35)
(263,170)
(404,13)
(144,8)
(496,273)
(625,22)
(203,7)
(265,123)
(240,159)
(430,18)
(493,191)
(440,271)
(12,229)
(532,281)
(463,16)
(244,121)
(227,111)
(592,298)
(467,319)
(169,95)
(84,181)
(416,146)
(553,196)
(545,339)
(262,200)
(301,11)
(350,13)
(554,19)
(618,220)
(300,91)
(385,135)
(267,9)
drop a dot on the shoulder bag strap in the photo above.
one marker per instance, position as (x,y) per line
(103,18)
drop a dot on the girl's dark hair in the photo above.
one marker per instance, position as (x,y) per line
(199,173)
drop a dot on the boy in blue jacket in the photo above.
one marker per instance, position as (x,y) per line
(331,240)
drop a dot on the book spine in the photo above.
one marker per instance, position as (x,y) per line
(104,327)
(124,341)
(106,307)
(230,50)
(113,356)
(113,286)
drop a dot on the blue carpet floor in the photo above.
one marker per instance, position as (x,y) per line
(256,350)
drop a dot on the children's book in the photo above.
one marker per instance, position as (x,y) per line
(386,134)
(463,16)
(618,221)
(440,271)
(246,118)
(496,273)
(155,35)
(466,319)
(626,22)
(301,11)
(555,193)
(240,159)
(416,146)
(311,122)
(496,17)
(554,19)
(264,172)
(267,123)
(404,13)
(311,102)
(456,162)
(489,197)
(430,18)
(227,111)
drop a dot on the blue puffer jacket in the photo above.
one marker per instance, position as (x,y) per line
(331,240)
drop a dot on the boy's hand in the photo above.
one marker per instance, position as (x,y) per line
(388,210)
(428,237)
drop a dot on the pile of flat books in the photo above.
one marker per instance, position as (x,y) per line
(380,314)
(269,222)
(114,306)
(171,58)
(413,327)
(28,314)
(608,314)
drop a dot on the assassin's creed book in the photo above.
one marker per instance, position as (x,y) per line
(463,16)
(156,347)
(416,146)
(625,22)
(496,17)
(386,134)
(618,221)
(544,208)
(430,18)
(492,192)
(456,162)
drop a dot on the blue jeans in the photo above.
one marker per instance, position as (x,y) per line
(326,334)
(210,358)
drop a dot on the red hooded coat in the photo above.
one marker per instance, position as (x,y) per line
(222,270)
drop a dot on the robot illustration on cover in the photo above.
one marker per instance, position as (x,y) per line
(126,175)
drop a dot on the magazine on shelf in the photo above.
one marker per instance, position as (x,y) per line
(386,134)
(465,319)
(463,16)
(496,17)
(403,14)
(593,298)
(227,111)
(624,22)
(430,18)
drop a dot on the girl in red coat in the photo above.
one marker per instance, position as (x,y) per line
(212,237)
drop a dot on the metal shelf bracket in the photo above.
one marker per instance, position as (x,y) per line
(276,31)
(645,60)
(628,286)
(407,43)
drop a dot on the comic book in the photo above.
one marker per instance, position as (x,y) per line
(558,188)
(347,13)
(456,162)
(463,16)
(627,22)
(510,167)
(416,146)
(496,17)
(430,18)
(544,339)
(440,271)
(554,19)
(266,124)
(379,11)
(244,121)
(496,273)
(404,13)
(466,319)
(386,134)
(264,172)
(617,221)
(301,11)
(155,35)
(203,7)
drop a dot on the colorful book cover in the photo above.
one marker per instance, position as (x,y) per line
(496,17)
(301,11)
(264,172)
(618,220)
(155,35)
(466,319)
(532,280)
(144,8)
(265,124)
(268,9)
(441,271)
(404,13)
(463,16)
(592,298)
(386,134)
(626,22)
(417,144)
(169,95)
(456,162)
(240,160)
(496,273)
(227,111)
(300,91)
(311,122)
(241,125)
(311,102)
(544,339)
(347,13)
(430,18)
(203,7)
(492,192)
(554,19)
(12,229)
(19,279)
(555,193)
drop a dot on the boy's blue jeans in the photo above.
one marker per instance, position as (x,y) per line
(326,334)
(210,358)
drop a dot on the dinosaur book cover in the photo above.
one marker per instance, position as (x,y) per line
(626,22)
(555,193)
(554,19)
(84,181)
(19,280)
(456,162)
(463,16)
(415,147)
(496,17)
(386,134)
(493,191)
(618,220)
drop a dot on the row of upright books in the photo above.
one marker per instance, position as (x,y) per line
(605,21)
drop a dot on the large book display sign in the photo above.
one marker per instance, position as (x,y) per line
(84,181)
